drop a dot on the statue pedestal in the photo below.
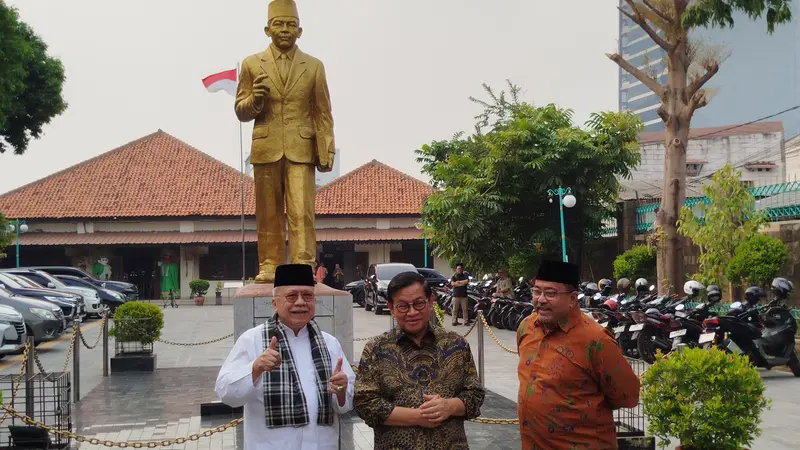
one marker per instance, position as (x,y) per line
(252,305)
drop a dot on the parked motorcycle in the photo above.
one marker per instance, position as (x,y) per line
(765,335)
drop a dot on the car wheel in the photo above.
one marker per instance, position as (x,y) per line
(361,298)
(377,310)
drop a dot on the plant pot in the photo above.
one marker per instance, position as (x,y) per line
(199,300)
(218,298)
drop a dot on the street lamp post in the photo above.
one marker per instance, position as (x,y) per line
(20,228)
(565,198)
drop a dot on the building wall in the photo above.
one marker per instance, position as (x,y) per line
(792,151)
(716,152)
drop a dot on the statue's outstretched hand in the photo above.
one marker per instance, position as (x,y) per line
(260,89)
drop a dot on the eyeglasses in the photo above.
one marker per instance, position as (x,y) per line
(549,294)
(404,307)
(292,297)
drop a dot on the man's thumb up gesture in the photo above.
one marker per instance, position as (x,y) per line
(337,384)
(270,359)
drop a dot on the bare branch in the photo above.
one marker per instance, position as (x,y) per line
(640,75)
(697,84)
(658,12)
(642,22)
(697,101)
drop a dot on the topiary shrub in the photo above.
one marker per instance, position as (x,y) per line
(438,316)
(137,321)
(708,399)
(199,287)
(638,262)
(757,260)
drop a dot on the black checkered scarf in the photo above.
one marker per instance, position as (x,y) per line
(284,402)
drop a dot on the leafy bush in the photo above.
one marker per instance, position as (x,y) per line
(138,321)
(638,262)
(219,286)
(438,315)
(757,260)
(199,287)
(709,399)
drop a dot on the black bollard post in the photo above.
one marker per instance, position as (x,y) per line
(29,373)
(105,343)
(76,366)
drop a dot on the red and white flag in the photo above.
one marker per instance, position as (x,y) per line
(223,81)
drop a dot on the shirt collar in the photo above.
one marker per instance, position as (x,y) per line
(276,52)
(290,334)
(401,334)
(567,323)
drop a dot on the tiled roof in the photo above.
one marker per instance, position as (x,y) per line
(155,176)
(651,137)
(161,176)
(208,237)
(760,163)
(373,189)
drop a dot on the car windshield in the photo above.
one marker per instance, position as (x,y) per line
(5,292)
(389,272)
(10,281)
(25,282)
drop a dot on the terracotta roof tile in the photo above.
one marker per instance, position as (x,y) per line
(651,137)
(207,237)
(373,189)
(161,176)
(154,176)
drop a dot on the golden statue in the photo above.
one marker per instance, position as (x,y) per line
(285,91)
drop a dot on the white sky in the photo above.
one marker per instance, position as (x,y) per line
(400,72)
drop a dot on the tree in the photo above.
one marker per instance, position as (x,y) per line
(668,23)
(491,206)
(30,83)
(757,260)
(728,218)
(5,235)
(638,262)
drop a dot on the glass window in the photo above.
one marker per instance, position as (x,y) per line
(639,46)
(650,115)
(641,103)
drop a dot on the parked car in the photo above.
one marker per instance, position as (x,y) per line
(433,278)
(89,302)
(356,289)
(130,290)
(44,321)
(69,303)
(110,299)
(378,278)
(12,331)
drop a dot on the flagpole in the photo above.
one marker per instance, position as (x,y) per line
(241,189)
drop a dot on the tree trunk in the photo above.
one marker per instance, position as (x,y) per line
(676,113)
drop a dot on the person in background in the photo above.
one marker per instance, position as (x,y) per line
(292,378)
(359,272)
(572,374)
(320,273)
(338,277)
(504,286)
(417,383)
(459,281)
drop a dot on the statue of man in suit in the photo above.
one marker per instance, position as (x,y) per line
(285,91)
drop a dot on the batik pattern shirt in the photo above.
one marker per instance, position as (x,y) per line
(395,371)
(571,378)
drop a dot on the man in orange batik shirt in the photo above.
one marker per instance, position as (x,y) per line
(572,374)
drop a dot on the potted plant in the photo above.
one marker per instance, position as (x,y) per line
(708,399)
(218,293)
(137,325)
(199,288)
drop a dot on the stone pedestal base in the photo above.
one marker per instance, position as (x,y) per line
(141,362)
(252,306)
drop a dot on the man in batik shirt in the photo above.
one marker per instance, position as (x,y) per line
(572,374)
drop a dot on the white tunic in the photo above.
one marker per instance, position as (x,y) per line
(235,387)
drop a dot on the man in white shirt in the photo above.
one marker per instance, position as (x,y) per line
(291,377)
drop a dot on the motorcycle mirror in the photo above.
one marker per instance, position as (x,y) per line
(680,307)
(652,287)
(736,305)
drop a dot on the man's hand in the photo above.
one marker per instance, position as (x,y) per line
(338,381)
(260,90)
(435,410)
(268,360)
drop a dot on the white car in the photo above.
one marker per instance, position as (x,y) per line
(91,301)
(12,330)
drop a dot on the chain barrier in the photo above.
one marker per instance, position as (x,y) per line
(120,444)
(474,322)
(99,333)
(52,376)
(496,339)
(191,344)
